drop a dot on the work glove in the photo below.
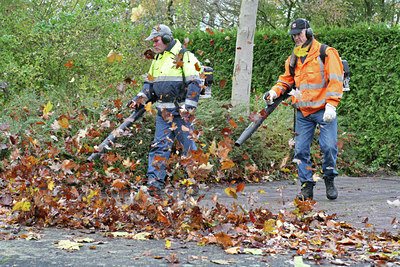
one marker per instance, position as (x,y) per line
(330,113)
(131,104)
(269,97)
(182,109)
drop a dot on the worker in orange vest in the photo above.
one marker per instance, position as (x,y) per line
(317,87)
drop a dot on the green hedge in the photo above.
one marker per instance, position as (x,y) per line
(370,110)
(67,52)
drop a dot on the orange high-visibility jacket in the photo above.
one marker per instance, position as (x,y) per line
(319,84)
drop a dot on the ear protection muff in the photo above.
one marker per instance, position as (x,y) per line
(309,30)
(166,38)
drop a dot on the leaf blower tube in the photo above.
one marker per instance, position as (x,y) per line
(248,132)
(106,144)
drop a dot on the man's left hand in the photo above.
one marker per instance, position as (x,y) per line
(330,113)
(182,109)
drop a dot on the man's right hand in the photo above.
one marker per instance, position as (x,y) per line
(131,104)
(269,97)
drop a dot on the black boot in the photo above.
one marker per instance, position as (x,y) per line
(306,191)
(331,191)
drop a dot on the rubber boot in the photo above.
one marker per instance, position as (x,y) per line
(331,191)
(306,191)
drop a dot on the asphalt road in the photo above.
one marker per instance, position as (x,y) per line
(362,202)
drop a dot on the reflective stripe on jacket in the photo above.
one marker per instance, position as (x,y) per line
(165,79)
(319,84)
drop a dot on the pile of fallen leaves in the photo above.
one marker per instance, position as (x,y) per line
(41,188)
(312,234)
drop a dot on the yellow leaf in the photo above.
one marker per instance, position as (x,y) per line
(141,236)
(167,243)
(127,162)
(221,262)
(147,107)
(50,185)
(22,205)
(316,242)
(269,225)
(186,182)
(112,57)
(213,147)
(120,234)
(300,52)
(66,244)
(47,108)
(137,13)
(231,192)
(64,123)
(253,251)
(173,127)
(261,192)
(232,250)
(298,262)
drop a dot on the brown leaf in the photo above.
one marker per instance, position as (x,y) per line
(149,54)
(222,83)
(118,183)
(69,64)
(252,217)
(233,124)
(161,218)
(149,77)
(63,122)
(240,187)
(197,66)
(227,164)
(209,31)
(223,239)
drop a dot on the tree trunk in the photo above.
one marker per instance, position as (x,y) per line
(243,69)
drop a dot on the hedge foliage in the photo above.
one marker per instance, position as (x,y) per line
(67,51)
(370,110)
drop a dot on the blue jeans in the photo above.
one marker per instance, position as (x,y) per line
(305,129)
(160,151)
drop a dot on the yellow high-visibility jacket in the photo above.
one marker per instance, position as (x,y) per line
(165,79)
(319,83)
